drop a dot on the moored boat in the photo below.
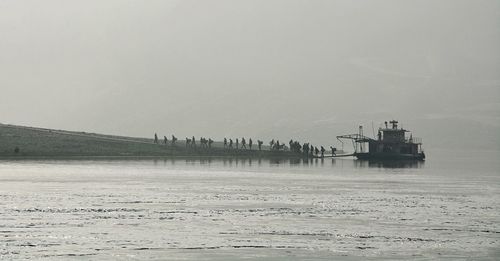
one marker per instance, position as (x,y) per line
(391,143)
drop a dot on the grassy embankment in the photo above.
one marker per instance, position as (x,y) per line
(48,143)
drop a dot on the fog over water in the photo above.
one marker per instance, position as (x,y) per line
(308,70)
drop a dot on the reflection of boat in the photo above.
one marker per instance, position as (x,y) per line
(390,164)
(391,144)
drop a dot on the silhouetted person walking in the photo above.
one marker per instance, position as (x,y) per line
(259,143)
(165,140)
(237,143)
(322,152)
(156,138)
(243,143)
(230,143)
(250,143)
(225,142)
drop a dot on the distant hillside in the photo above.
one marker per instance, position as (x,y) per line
(21,141)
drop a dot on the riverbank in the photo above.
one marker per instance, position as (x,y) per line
(21,142)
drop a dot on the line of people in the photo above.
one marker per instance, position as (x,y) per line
(173,141)
(309,150)
(306,149)
(228,143)
(204,143)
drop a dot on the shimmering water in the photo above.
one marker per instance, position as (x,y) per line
(447,208)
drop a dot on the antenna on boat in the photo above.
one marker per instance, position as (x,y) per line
(394,124)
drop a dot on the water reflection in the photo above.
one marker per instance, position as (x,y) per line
(194,161)
(311,162)
(391,164)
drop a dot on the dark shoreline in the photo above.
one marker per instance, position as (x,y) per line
(147,157)
(31,143)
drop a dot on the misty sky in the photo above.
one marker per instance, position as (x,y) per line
(308,70)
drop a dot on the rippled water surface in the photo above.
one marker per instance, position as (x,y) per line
(447,208)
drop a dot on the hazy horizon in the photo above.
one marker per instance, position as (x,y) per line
(307,70)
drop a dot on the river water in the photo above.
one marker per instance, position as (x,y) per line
(343,209)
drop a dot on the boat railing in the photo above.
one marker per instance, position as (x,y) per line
(415,140)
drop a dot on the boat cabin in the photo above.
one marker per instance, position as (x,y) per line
(393,140)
